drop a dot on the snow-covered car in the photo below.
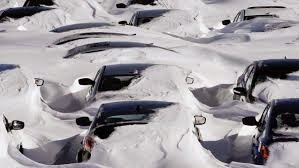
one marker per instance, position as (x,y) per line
(111,116)
(132,2)
(258,72)
(257,12)
(124,79)
(29,8)
(10,127)
(108,78)
(107,45)
(78,36)
(113,77)
(278,124)
(159,19)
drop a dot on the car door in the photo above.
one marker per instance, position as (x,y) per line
(236,17)
(249,83)
(256,139)
(94,89)
(242,80)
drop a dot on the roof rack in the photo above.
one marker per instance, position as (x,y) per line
(257,7)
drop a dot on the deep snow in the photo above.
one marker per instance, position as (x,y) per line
(198,48)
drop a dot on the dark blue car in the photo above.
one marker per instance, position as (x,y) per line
(277,124)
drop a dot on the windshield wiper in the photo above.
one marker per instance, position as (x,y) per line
(79,36)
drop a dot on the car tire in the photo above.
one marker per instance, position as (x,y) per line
(83,156)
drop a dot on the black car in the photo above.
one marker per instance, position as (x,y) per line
(116,114)
(254,12)
(278,123)
(258,72)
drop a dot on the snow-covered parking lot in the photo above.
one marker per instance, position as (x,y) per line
(195,63)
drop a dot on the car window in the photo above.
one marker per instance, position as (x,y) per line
(262,121)
(286,124)
(143,20)
(110,83)
(97,78)
(236,18)
(127,117)
(132,19)
(248,76)
(247,72)
(240,18)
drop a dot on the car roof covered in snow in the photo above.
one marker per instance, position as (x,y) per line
(263,11)
(125,69)
(280,66)
(131,107)
(285,105)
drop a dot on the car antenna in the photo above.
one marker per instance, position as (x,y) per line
(285,57)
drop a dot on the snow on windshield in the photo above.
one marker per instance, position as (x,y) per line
(278,88)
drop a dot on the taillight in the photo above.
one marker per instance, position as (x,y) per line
(89,143)
(265,152)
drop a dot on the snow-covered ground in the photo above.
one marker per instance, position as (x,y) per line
(196,47)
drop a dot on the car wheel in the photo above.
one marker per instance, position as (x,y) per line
(83,156)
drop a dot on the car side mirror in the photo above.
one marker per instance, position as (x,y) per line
(189,80)
(39,82)
(226,22)
(199,120)
(86,81)
(121,5)
(83,121)
(239,91)
(250,121)
(123,22)
(17,125)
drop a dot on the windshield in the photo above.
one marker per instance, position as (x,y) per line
(125,118)
(143,20)
(116,82)
(286,124)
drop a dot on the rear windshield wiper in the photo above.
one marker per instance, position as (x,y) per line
(79,36)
